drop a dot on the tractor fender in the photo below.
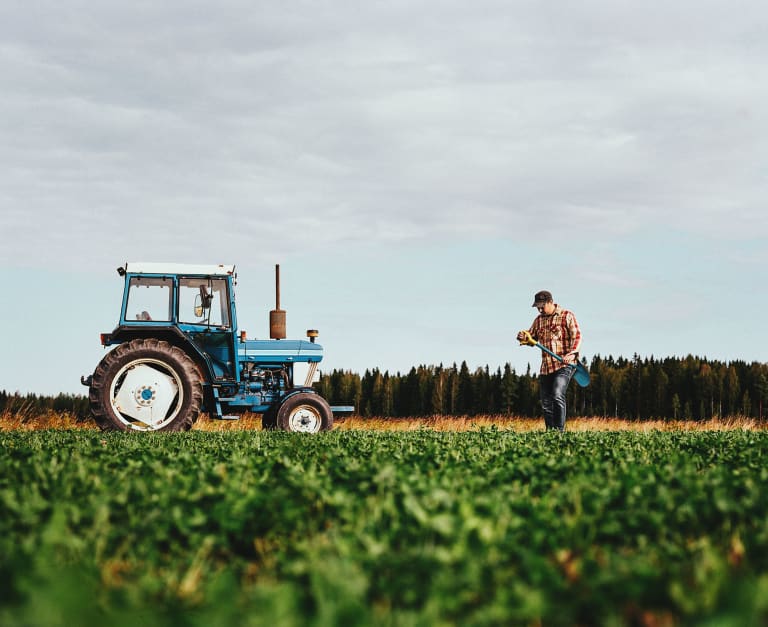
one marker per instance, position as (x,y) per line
(173,336)
(299,390)
(336,409)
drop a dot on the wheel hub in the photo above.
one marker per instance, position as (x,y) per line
(145,395)
(305,419)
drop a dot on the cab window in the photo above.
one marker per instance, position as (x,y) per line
(149,299)
(204,301)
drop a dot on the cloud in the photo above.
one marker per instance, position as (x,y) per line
(419,168)
(148,127)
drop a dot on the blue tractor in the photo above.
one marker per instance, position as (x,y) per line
(177,352)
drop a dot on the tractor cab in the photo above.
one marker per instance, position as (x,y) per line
(197,301)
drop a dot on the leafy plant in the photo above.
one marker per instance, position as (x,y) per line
(372,527)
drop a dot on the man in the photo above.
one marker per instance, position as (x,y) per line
(556,329)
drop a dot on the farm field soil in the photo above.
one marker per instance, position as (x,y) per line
(485,526)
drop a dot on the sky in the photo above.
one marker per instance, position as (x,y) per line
(419,169)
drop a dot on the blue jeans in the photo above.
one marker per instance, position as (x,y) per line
(552,389)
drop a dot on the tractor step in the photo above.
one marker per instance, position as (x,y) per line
(228,417)
(342,409)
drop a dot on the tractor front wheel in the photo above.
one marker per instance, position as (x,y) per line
(305,413)
(146,385)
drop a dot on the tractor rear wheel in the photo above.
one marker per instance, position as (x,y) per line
(304,412)
(146,385)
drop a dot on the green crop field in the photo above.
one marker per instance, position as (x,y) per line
(483,527)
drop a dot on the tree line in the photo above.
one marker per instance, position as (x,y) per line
(36,405)
(690,388)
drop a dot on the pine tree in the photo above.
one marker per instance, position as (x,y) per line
(465,400)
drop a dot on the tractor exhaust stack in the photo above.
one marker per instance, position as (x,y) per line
(277,315)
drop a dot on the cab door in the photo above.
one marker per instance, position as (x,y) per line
(204,316)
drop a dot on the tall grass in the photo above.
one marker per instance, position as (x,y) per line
(520,424)
(25,419)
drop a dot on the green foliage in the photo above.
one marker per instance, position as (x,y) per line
(357,528)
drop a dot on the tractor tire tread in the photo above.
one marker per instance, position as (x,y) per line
(145,347)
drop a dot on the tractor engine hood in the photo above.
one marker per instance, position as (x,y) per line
(279,351)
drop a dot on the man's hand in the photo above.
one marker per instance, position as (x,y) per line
(570,358)
(526,339)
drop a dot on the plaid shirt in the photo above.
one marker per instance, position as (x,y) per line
(560,333)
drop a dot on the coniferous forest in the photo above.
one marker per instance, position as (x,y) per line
(690,388)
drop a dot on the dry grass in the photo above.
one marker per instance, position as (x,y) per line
(513,423)
(26,421)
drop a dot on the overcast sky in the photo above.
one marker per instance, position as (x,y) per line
(419,169)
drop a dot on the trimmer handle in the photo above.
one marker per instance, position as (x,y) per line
(581,374)
(527,339)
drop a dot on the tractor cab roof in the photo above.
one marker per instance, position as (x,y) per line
(179,268)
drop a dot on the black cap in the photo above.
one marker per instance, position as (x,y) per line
(542,298)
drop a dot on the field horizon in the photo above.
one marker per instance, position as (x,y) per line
(27,421)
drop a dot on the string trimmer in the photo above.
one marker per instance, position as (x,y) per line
(581,375)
